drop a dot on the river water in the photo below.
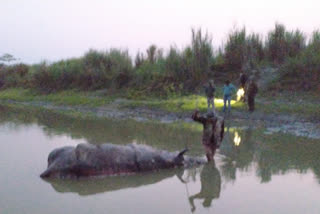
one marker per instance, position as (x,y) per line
(253,172)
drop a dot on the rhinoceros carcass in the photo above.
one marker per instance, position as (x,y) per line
(109,159)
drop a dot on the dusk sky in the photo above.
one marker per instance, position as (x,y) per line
(36,30)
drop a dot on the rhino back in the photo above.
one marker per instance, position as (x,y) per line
(105,159)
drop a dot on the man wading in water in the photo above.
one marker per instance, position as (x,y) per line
(213,130)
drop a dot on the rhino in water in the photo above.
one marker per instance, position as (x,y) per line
(109,159)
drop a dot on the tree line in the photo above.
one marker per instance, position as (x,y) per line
(296,57)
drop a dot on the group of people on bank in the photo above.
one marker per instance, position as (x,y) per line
(213,125)
(247,84)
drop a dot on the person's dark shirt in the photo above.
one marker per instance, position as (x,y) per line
(243,79)
(209,90)
(252,89)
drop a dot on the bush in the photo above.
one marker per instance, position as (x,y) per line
(302,72)
(13,75)
(95,70)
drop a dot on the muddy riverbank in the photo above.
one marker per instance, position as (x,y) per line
(273,123)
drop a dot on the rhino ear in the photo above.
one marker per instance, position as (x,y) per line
(46,173)
(179,158)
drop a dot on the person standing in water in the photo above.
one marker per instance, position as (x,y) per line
(209,90)
(228,90)
(213,132)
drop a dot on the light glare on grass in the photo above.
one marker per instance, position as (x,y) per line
(220,101)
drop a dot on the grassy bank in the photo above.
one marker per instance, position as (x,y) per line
(302,105)
(70,97)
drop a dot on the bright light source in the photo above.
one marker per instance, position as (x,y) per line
(237,139)
(240,94)
(220,101)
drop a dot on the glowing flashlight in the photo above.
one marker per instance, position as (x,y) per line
(237,139)
(240,94)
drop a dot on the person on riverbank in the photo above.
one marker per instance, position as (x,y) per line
(213,132)
(228,90)
(209,90)
(243,81)
(252,90)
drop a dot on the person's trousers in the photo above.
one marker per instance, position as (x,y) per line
(226,99)
(251,103)
(210,101)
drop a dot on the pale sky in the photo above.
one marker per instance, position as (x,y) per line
(35,30)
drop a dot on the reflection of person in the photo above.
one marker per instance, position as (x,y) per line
(228,89)
(228,168)
(252,90)
(209,90)
(213,130)
(210,186)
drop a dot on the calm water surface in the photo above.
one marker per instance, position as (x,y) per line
(253,172)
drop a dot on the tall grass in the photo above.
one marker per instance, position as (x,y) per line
(242,52)
(178,71)
(281,44)
(303,71)
(13,76)
(236,50)
(95,70)
(201,56)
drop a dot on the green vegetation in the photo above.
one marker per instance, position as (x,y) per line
(182,104)
(303,70)
(60,98)
(178,72)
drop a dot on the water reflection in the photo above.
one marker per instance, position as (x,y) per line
(171,137)
(100,185)
(268,155)
(210,186)
(209,176)
(236,155)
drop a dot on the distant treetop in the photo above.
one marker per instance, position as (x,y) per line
(7,58)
